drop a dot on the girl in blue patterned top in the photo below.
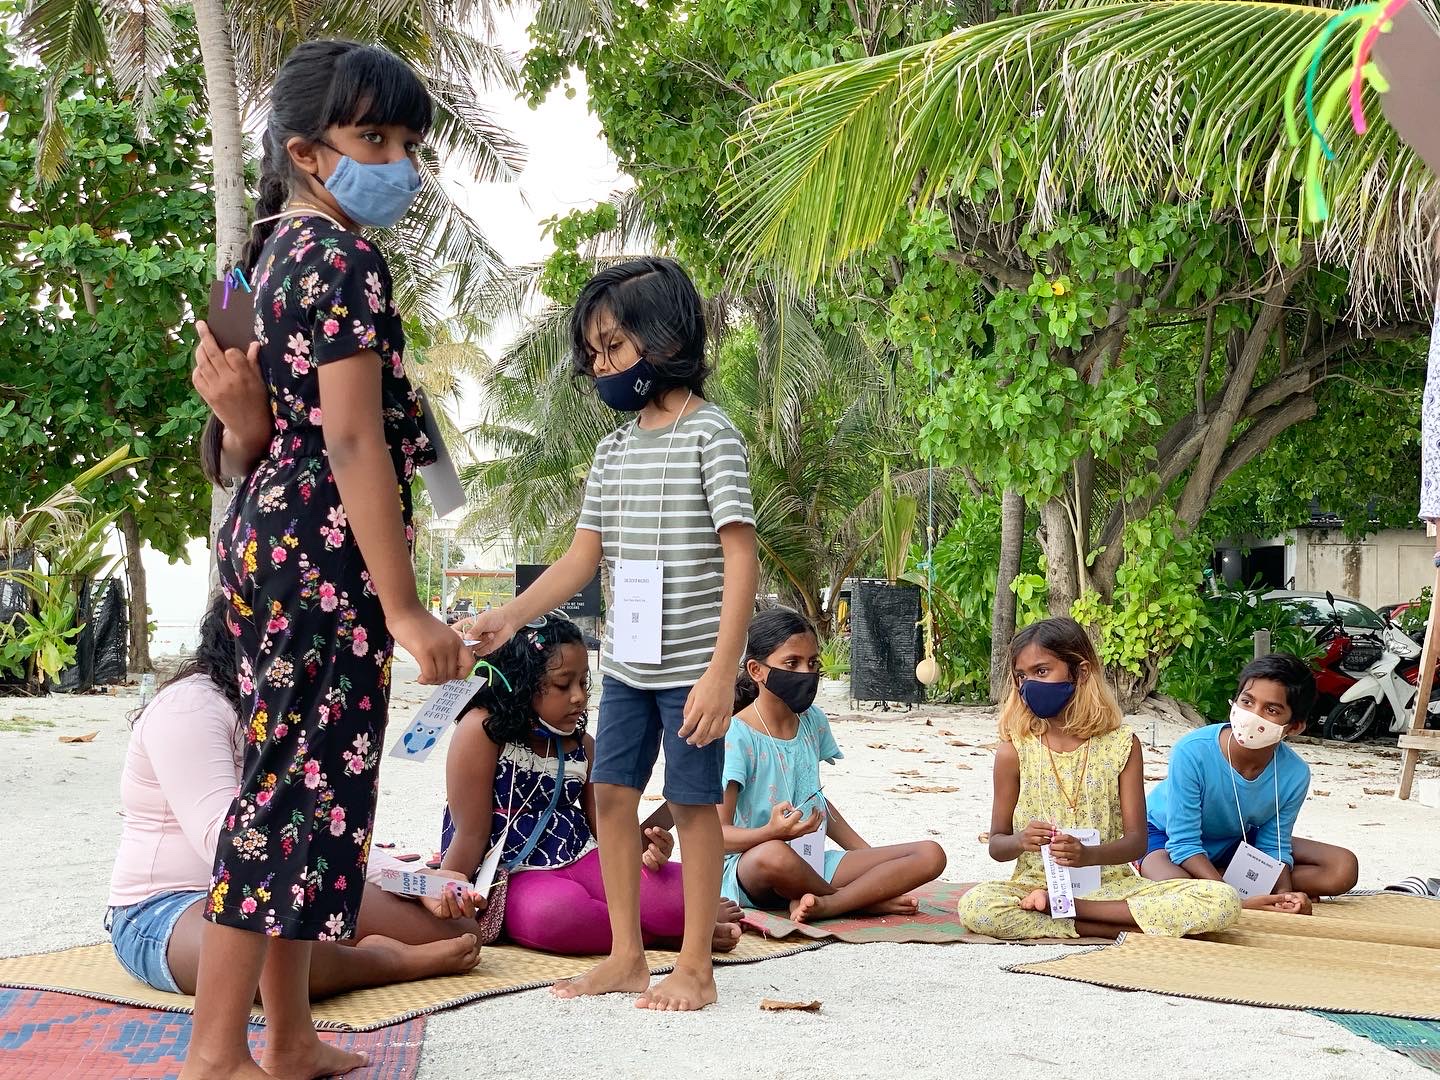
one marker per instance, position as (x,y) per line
(775,817)
(500,779)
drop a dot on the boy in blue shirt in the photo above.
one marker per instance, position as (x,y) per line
(1240,783)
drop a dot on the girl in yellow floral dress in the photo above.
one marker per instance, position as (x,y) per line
(1067,762)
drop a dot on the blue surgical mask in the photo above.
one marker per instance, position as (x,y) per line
(377,195)
(629,390)
(1046,699)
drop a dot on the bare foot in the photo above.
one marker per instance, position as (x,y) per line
(1039,900)
(899,905)
(683,990)
(808,907)
(726,936)
(613,975)
(452,956)
(310,1062)
(195,1069)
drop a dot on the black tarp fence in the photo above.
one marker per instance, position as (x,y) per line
(885,642)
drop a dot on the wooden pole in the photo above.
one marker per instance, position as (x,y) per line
(1414,741)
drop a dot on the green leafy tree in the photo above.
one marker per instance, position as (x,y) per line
(1094,216)
(437,249)
(99,274)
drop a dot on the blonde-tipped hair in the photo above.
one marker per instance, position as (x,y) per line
(1092,711)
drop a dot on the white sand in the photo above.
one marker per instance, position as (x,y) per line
(907,1010)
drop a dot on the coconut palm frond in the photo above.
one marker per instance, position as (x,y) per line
(571,21)
(467,135)
(65,34)
(1133,103)
(141,42)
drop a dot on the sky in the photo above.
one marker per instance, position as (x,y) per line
(568,167)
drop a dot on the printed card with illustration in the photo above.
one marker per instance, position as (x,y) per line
(435,717)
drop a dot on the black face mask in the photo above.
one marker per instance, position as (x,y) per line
(797,689)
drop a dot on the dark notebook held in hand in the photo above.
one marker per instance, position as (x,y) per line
(232,315)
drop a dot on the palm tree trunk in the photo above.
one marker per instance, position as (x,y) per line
(1002,626)
(228,154)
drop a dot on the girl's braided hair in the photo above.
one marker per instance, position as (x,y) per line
(517,673)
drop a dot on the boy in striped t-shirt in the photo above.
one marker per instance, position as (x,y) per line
(668,511)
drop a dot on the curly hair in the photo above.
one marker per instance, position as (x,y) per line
(519,670)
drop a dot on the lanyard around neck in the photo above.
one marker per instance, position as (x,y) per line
(1235,789)
(664,472)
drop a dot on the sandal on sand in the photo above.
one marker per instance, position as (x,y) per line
(1417,887)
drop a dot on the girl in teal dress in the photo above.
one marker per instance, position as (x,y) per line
(775,816)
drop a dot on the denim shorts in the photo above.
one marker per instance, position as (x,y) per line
(633,725)
(140,934)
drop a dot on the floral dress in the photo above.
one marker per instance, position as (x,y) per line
(314,654)
(1092,778)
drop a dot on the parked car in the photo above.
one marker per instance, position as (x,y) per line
(461,608)
(1314,611)
(1367,678)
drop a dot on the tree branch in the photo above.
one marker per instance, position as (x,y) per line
(1239,381)
(1265,428)
(1204,370)
(992,267)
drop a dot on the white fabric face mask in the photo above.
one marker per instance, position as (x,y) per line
(1253,731)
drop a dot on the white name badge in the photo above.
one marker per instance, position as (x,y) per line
(416,883)
(1065,883)
(639,588)
(435,718)
(485,876)
(442,482)
(811,848)
(1252,873)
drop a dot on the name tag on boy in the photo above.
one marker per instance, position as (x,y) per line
(1065,883)
(416,883)
(1252,873)
(639,596)
(435,716)
(811,848)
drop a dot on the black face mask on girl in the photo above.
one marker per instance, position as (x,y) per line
(797,689)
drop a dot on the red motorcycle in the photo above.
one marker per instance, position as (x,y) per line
(1366,680)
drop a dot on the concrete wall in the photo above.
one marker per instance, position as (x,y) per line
(1383,568)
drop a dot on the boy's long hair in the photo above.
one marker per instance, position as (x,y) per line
(1092,711)
(524,660)
(654,301)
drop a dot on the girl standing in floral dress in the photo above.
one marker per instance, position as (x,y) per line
(314,553)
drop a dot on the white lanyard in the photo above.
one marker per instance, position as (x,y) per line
(664,471)
(780,754)
(1235,788)
(299,212)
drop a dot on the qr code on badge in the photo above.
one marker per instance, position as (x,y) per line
(634,616)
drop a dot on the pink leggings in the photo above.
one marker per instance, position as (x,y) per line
(563,911)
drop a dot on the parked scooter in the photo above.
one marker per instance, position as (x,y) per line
(1385,669)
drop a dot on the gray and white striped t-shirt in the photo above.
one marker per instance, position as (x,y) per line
(706,486)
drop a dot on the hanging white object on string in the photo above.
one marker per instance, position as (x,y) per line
(435,717)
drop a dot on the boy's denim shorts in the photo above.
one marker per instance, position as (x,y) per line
(634,723)
(140,934)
